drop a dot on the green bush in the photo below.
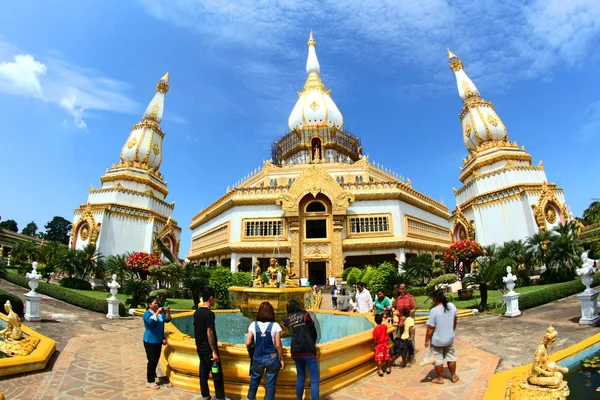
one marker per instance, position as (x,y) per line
(139,290)
(347,272)
(75,283)
(382,278)
(161,295)
(553,293)
(417,290)
(447,278)
(368,275)
(220,280)
(66,295)
(241,278)
(355,276)
(16,302)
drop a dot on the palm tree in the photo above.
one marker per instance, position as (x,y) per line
(49,255)
(489,268)
(195,280)
(564,253)
(69,262)
(115,265)
(92,262)
(419,268)
(537,246)
(23,254)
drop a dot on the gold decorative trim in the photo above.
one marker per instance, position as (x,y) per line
(125,211)
(510,166)
(264,248)
(505,195)
(213,237)
(86,219)
(120,188)
(462,224)
(170,230)
(546,199)
(421,229)
(137,179)
(283,235)
(484,161)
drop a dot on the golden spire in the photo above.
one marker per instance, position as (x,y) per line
(163,84)
(451,55)
(454,61)
(311,41)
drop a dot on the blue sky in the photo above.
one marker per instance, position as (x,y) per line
(75,75)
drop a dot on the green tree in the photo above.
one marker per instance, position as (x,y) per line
(115,265)
(30,229)
(92,262)
(488,270)
(195,279)
(49,255)
(23,254)
(591,215)
(58,230)
(9,225)
(419,268)
(537,246)
(70,262)
(385,277)
(564,255)
(220,280)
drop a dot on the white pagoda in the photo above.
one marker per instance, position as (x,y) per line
(503,197)
(129,212)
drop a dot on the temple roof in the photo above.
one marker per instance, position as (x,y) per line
(315,107)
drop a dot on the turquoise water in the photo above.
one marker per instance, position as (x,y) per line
(232,327)
(583,384)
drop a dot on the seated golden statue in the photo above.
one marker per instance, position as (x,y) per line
(290,276)
(543,372)
(13,330)
(257,275)
(272,272)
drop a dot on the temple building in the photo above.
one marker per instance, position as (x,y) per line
(129,212)
(318,202)
(503,195)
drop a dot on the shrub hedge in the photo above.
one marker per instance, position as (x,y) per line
(447,278)
(241,278)
(417,290)
(220,280)
(553,293)
(75,283)
(60,293)
(16,302)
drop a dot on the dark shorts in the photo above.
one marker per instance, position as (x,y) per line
(402,347)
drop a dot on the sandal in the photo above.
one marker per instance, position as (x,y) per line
(379,373)
(455,379)
(388,370)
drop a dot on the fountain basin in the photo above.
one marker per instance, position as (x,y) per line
(342,360)
(35,361)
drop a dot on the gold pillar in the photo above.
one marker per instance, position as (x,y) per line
(336,250)
(294,226)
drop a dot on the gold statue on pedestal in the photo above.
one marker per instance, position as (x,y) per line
(257,275)
(272,272)
(545,380)
(290,276)
(14,343)
(13,330)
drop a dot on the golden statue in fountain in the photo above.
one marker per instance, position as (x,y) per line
(13,330)
(290,276)
(257,275)
(14,343)
(545,380)
(272,272)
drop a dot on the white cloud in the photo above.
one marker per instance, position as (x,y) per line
(69,103)
(22,76)
(73,88)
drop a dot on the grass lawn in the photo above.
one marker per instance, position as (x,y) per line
(185,304)
(494,296)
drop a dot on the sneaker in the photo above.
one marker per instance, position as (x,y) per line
(152,385)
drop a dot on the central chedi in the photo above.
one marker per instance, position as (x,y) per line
(318,204)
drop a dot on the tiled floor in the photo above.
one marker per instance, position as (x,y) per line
(112,366)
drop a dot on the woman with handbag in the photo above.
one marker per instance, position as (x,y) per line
(267,358)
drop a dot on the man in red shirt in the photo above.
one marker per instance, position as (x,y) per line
(405,300)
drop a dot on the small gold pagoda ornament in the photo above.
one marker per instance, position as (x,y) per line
(545,380)
(272,272)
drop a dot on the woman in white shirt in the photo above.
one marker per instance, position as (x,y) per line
(265,335)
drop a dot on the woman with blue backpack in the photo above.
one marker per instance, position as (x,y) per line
(265,336)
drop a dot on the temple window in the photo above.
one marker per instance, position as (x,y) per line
(316,229)
(369,224)
(262,228)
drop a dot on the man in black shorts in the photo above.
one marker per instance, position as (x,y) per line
(206,345)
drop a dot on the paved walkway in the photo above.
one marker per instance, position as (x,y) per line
(100,358)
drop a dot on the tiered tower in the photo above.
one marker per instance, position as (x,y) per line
(503,197)
(129,212)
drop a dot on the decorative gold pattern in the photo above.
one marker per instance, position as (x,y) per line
(461,222)
(131,142)
(550,214)
(316,249)
(466,88)
(86,218)
(508,167)
(163,84)
(155,148)
(159,187)
(213,237)
(492,120)
(419,228)
(547,199)
(169,232)
(147,193)
(84,233)
(314,106)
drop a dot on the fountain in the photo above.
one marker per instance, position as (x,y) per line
(344,347)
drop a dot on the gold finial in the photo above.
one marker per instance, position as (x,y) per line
(454,61)
(451,55)
(311,40)
(163,84)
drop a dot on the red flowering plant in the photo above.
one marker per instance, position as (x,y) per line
(460,255)
(141,262)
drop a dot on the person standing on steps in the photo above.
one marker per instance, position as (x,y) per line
(205,333)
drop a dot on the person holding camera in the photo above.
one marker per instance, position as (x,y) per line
(154,333)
